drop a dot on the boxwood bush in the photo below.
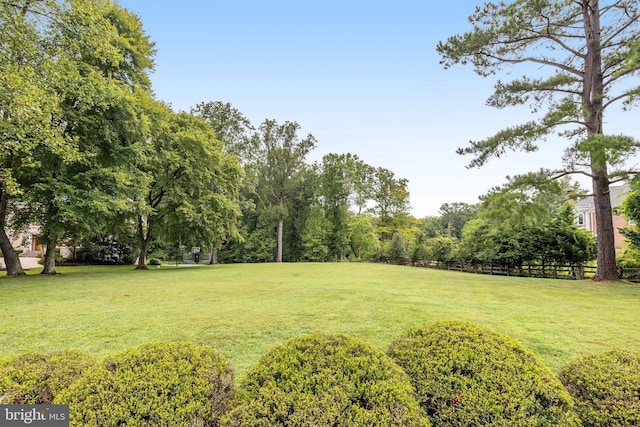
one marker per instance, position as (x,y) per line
(176,384)
(36,378)
(325,380)
(466,375)
(606,388)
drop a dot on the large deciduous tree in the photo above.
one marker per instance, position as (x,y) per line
(101,110)
(28,103)
(230,126)
(453,217)
(583,53)
(391,201)
(345,184)
(530,199)
(234,130)
(191,188)
(66,67)
(279,157)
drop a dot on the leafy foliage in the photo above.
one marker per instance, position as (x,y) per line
(527,220)
(466,375)
(397,248)
(441,248)
(176,384)
(191,187)
(631,208)
(606,388)
(315,236)
(230,126)
(453,217)
(278,159)
(364,241)
(530,199)
(37,378)
(325,380)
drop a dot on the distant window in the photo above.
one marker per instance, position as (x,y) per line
(581,219)
(35,243)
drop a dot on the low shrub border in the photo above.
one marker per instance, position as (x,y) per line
(177,384)
(605,387)
(462,374)
(325,380)
(36,378)
(466,375)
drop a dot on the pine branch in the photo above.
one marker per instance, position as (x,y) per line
(627,94)
(562,173)
(533,60)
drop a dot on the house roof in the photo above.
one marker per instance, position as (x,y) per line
(617,193)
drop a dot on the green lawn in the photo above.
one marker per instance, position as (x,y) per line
(245,310)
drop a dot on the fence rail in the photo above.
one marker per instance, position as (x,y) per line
(546,271)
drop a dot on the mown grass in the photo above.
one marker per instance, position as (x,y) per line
(245,310)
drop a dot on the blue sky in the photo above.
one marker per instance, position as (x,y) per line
(362,76)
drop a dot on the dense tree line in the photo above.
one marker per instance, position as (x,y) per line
(92,158)
(97,162)
(340,208)
(530,219)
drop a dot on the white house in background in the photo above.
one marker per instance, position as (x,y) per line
(586,213)
(27,242)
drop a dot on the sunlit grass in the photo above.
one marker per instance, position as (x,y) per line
(245,310)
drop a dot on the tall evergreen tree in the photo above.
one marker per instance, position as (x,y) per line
(583,51)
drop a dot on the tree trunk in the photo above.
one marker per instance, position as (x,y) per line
(606,264)
(143,240)
(592,95)
(213,258)
(279,239)
(11,259)
(280,231)
(50,259)
(142,257)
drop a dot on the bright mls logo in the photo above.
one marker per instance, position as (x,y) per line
(34,415)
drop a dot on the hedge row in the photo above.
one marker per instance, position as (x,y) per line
(445,374)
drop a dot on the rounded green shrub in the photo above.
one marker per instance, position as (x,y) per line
(176,384)
(36,378)
(325,380)
(466,375)
(605,387)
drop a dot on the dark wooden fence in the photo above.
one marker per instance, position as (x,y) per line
(630,274)
(548,271)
